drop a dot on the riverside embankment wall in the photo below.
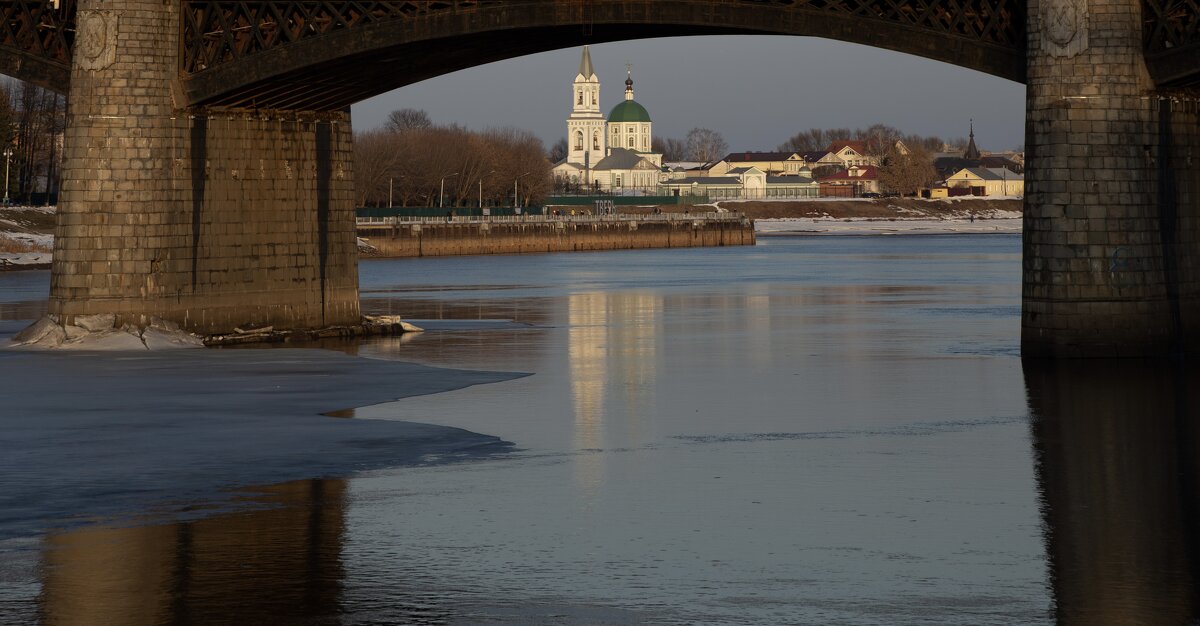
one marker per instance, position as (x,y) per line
(431,238)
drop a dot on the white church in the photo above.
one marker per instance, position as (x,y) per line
(612,155)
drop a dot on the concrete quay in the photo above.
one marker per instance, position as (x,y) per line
(528,234)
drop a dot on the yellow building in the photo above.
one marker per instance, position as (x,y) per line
(988,181)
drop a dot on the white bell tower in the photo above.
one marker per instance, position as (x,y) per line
(585,127)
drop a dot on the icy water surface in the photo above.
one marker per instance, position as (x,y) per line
(811,431)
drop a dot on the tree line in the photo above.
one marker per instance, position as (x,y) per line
(700,145)
(413,162)
(32,121)
(877,137)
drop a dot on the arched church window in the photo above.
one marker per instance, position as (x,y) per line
(596,141)
(579,140)
(580,101)
(631,142)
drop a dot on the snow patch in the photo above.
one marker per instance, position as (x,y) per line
(24,259)
(884,226)
(99,333)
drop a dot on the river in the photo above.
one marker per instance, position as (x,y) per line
(814,430)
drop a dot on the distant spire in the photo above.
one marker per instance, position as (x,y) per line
(972,153)
(585,65)
(629,81)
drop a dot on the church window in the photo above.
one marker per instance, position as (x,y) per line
(631,142)
(618,184)
(579,140)
(596,141)
(580,101)
(645,143)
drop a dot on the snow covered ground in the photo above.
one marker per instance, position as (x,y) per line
(24,238)
(898,226)
(25,259)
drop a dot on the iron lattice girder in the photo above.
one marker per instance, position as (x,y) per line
(1172,40)
(274,53)
(224,31)
(36,41)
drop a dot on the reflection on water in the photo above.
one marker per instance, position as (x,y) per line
(276,565)
(809,432)
(611,340)
(587,355)
(1117,445)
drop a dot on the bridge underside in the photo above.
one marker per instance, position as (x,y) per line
(350,65)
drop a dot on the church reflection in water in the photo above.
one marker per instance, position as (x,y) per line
(276,564)
(612,348)
(1116,446)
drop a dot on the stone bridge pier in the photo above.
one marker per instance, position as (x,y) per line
(1111,260)
(210,218)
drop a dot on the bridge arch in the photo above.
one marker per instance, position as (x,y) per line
(298,55)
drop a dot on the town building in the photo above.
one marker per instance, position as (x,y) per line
(948,162)
(986,181)
(741,183)
(851,182)
(773,163)
(612,154)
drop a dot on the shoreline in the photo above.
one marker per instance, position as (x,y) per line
(868,227)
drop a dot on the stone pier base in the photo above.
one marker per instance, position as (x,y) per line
(1110,233)
(211,219)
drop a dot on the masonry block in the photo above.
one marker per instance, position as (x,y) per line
(160,206)
(1128,221)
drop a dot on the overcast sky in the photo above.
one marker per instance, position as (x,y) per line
(756,90)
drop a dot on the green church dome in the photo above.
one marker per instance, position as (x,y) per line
(629,111)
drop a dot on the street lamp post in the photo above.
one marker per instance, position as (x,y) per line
(7,155)
(481,189)
(442,192)
(516,198)
(390,205)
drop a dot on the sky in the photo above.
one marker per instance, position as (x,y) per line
(757,91)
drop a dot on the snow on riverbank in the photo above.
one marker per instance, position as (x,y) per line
(900,226)
(24,260)
(26,237)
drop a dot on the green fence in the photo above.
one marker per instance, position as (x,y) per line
(426,211)
(625,200)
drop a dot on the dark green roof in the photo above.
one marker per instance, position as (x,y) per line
(629,111)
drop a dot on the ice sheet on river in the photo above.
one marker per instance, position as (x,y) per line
(89,436)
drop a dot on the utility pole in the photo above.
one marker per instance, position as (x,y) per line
(442,192)
(7,156)
(516,200)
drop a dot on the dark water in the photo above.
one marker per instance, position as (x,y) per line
(811,431)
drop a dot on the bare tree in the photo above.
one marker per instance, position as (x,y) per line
(672,149)
(906,173)
(880,139)
(705,145)
(810,140)
(39,122)
(877,137)
(474,167)
(559,150)
(7,121)
(375,154)
(402,120)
